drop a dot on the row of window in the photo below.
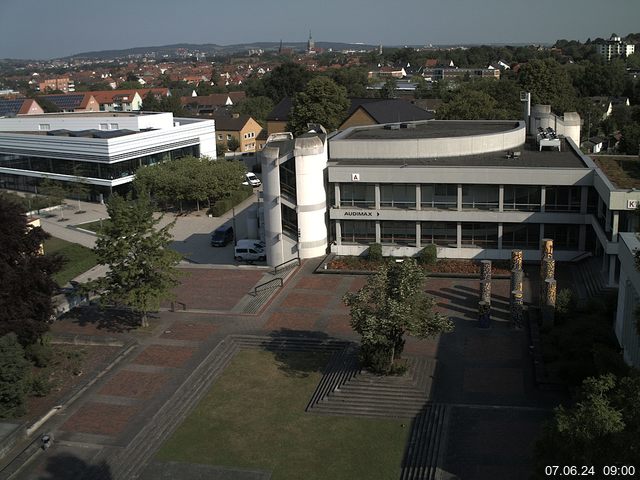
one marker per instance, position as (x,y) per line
(474,197)
(473,235)
(79,168)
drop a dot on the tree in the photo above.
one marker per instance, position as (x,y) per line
(283,81)
(141,266)
(13,384)
(150,103)
(233,144)
(322,102)
(55,193)
(602,428)
(354,79)
(388,90)
(256,107)
(630,139)
(26,285)
(548,83)
(392,303)
(468,105)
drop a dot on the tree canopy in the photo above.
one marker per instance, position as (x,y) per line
(141,266)
(323,102)
(26,285)
(549,84)
(283,81)
(393,302)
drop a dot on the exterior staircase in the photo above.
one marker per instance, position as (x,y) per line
(589,281)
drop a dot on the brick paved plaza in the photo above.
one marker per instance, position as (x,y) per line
(483,375)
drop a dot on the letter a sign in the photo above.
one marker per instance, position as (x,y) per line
(355,177)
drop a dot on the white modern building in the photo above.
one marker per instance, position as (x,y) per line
(615,47)
(103,149)
(627,326)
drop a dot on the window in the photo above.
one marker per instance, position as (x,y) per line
(520,235)
(480,197)
(289,221)
(521,198)
(113,126)
(357,195)
(400,233)
(480,235)
(562,199)
(439,233)
(104,126)
(565,237)
(228,137)
(440,196)
(354,231)
(44,126)
(398,195)
(219,136)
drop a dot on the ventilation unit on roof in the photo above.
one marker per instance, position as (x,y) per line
(407,125)
(392,126)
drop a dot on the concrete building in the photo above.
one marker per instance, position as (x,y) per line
(626,327)
(104,149)
(64,84)
(241,127)
(615,47)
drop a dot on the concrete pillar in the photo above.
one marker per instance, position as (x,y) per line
(550,292)
(501,198)
(485,291)
(612,270)
(607,221)
(338,232)
(543,197)
(459,235)
(378,232)
(485,270)
(418,234)
(336,190)
(547,269)
(541,232)
(418,197)
(376,189)
(459,197)
(516,308)
(516,259)
(615,222)
(546,248)
(600,203)
(584,197)
(500,236)
(582,238)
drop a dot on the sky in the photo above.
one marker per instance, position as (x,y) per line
(43,29)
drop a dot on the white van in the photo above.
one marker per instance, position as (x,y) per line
(249,254)
(251,243)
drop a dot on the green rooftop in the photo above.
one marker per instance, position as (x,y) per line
(622,171)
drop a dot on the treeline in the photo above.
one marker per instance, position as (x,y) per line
(192,181)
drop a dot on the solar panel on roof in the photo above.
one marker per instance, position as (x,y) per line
(10,107)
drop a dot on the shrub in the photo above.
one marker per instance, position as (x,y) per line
(39,354)
(428,255)
(12,381)
(38,385)
(223,205)
(565,304)
(375,252)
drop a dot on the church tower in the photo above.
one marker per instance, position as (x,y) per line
(311,45)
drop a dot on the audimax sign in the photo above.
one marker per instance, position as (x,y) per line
(360,213)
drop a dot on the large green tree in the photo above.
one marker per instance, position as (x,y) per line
(323,102)
(256,107)
(549,84)
(283,81)
(26,285)
(392,303)
(141,266)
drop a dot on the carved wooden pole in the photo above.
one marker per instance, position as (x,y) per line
(517,308)
(516,259)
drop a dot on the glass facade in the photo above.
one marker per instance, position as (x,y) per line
(480,197)
(361,195)
(480,235)
(79,168)
(288,178)
(439,233)
(398,233)
(358,232)
(398,195)
(565,237)
(521,198)
(439,196)
(562,199)
(289,221)
(521,235)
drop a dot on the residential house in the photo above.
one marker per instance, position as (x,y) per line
(615,47)
(19,106)
(241,127)
(64,84)
(74,102)
(210,104)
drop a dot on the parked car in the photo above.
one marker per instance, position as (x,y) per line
(251,243)
(252,179)
(222,236)
(248,254)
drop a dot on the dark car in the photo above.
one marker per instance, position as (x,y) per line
(221,236)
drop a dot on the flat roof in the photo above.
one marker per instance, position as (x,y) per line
(622,170)
(530,157)
(89,114)
(431,129)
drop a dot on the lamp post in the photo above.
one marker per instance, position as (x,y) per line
(233,211)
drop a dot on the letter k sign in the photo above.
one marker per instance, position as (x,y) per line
(355,177)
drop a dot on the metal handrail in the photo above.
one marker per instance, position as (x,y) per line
(255,290)
(275,270)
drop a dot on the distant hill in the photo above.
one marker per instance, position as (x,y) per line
(212,49)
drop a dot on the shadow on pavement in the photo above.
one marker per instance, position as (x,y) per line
(113,320)
(65,466)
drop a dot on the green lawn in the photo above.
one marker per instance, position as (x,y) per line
(79,258)
(253,417)
(94,226)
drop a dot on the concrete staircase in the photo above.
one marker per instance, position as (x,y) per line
(589,280)
(253,301)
